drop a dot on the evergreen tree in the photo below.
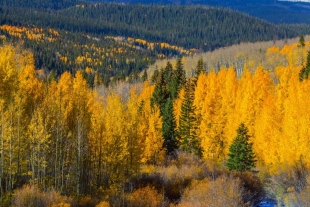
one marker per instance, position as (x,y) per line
(199,69)
(155,75)
(304,72)
(301,41)
(188,122)
(144,76)
(180,74)
(168,72)
(169,127)
(241,157)
(160,94)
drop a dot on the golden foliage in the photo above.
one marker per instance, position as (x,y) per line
(224,191)
(146,197)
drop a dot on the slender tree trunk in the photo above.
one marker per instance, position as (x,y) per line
(78,158)
(2,155)
(11,153)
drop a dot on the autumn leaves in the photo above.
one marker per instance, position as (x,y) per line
(66,136)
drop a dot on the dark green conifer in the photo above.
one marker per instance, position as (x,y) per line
(301,41)
(169,127)
(144,76)
(188,123)
(241,156)
(304,72)
(199,69)
(180,74)
(160,94)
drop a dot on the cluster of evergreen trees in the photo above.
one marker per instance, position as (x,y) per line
(168,83)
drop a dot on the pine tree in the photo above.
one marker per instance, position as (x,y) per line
(304,72)
(178,80)
(199,68)
(144,76)
(180,74)
(188,123)
(301,41)
(169,127)
(160,94)
(241,157)
(168,72)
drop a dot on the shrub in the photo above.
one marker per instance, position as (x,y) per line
(254,190)
(32,196)
(146,197)
(103,204)
(224,191)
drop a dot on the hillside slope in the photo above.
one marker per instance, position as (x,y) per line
(130,37)
(270,10)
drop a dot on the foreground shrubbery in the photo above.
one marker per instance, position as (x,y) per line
(31,196)
(187,181)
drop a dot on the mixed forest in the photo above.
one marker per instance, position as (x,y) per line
(161,142)
(86,121)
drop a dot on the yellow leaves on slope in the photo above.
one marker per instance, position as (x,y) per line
(272,103)
(31,33)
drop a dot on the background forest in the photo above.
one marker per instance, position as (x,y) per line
(114,41)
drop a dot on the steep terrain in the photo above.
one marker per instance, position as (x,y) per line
(271,10)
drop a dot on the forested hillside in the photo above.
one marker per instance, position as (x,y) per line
(40,4)
(155,144)
(114,40)
(279,12)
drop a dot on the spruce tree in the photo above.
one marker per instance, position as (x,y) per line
(198,70)
(180,74)
(188,123)
(168,72)
(144,76)
(241,156)
(169,127)
(160,94)
(301,41)
(304,72)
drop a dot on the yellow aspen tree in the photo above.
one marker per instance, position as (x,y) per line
(96,142)
(38,136)
(61,95)
(209,141)
(81,121)
(200,95)
(295,120)
(177,107)
(228,95)
(134,139)
(304,121)
(116,145)
(268,135)
(8,85)
(153,150)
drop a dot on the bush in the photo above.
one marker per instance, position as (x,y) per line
(103,204)
(224,191)
(254,190)
(146,197)
(32,196)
